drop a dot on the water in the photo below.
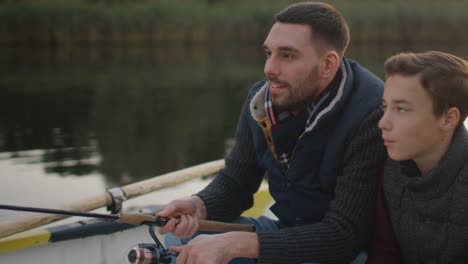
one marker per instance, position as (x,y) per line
(75,122)
(25,181)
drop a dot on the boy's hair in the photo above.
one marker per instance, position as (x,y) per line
(326,23)
(443,76)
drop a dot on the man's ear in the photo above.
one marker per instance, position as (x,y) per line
(331,63)
(450,119)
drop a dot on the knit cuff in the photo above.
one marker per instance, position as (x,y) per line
(271,248)
(214,206)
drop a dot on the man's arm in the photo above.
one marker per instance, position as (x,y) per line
(346,227)
(231,192)
(218,248)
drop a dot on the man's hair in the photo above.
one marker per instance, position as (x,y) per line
(443,76)
(324,20)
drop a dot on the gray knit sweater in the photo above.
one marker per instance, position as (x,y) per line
(430,214)
(333,240)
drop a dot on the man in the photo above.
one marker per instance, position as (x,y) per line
(312,128)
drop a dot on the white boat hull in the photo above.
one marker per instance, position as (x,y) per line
(94,241)
(100,249)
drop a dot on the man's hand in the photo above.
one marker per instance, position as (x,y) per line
(184,214)
(218,249)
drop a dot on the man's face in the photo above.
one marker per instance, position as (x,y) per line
(410,129)
(292,66)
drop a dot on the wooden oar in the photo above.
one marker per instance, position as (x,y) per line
(31,221)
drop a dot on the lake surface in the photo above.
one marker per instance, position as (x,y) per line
(74,122)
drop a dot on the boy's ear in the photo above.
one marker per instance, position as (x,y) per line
(450,119)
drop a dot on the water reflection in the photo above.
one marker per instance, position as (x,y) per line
(26,182)
(131,113)
(140,112)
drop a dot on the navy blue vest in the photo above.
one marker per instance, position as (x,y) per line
(303,193)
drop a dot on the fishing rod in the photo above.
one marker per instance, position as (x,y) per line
(144,252)
(56,211)
(134,219)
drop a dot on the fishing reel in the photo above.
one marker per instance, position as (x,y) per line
(146,253)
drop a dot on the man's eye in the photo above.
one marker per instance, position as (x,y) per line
(401,109)
(287,56)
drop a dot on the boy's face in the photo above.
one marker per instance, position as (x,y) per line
(410,129)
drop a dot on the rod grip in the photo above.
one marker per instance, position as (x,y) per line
(137,219)
(204,225)
(214,226)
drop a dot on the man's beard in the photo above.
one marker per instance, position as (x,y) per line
(297,99)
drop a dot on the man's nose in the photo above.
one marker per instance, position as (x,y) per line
(272,68)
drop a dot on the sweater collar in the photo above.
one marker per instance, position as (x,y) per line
(443,176)
(325,103)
